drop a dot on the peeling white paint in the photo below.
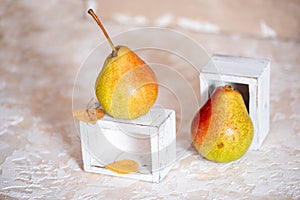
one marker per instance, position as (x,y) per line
(194,25)
(138,20)
(266,30)
(164,20)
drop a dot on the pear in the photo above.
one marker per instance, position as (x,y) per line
(222,130)
(126,87)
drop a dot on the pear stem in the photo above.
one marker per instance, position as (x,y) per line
(228,87)
(91,12)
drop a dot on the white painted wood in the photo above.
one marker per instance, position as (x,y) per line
(149,140)
(252,78)
(167,154)
(84,145)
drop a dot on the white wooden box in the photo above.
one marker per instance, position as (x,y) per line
(252,78)
(149,140)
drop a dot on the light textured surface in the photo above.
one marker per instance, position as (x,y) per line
(42,46)
(265,19)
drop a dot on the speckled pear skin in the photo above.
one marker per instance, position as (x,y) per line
(222,130)
(126,87)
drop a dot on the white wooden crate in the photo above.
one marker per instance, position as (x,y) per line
(149,140)
(252,78)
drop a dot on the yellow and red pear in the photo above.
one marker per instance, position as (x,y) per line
(222,130)
(126,87)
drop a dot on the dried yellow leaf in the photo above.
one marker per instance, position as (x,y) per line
(123,166)
(89,115)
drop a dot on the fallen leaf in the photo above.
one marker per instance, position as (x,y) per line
(89,115)
(123,166)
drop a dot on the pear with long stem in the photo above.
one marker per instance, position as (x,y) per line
(92,13)
(126,87)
